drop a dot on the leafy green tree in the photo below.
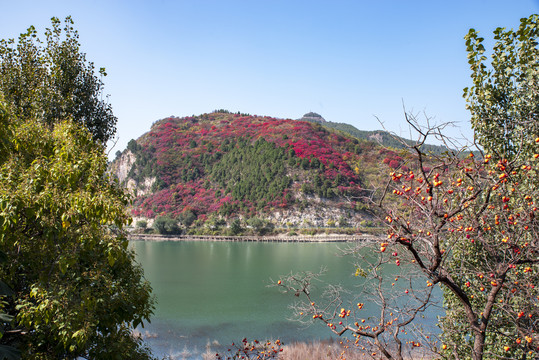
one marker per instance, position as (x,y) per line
(52,80)
(504,96)
(260,226)
(142,224)
(7,352)
(133,146)
(214,222)
(78,291)
(235,227)
(165,225)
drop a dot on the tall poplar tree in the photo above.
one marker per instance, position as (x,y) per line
(51,80)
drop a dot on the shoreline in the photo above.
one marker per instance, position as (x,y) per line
(276,238)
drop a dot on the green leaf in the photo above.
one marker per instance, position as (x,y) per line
(111,259)
(63,266)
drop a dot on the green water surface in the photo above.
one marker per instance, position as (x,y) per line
(217,292)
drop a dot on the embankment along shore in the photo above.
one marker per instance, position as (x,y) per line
(278,238)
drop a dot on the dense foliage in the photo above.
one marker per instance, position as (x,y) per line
(77,290)
(74,288)
(504,94)
(253,171)
(52,80)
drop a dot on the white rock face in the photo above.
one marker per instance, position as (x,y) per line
(145,187)
(124,165)
(321,213)
(122,169)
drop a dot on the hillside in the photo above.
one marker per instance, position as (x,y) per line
(381,137)
(218,167)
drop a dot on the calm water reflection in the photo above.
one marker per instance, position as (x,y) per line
(217,292)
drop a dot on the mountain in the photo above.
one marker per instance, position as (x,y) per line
(235,166)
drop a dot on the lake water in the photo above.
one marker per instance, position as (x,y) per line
(217,292)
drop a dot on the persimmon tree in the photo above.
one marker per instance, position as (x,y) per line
(470,227)
(467,224)
(503,100)
(380,316)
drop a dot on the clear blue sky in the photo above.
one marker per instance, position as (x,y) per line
(350,61)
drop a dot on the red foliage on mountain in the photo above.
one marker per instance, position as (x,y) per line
(179,152)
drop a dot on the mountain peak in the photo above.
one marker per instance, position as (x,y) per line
(312,116)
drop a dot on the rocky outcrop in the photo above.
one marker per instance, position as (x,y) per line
(121,168)
(123,165)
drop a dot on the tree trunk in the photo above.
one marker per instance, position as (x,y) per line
(478,346)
